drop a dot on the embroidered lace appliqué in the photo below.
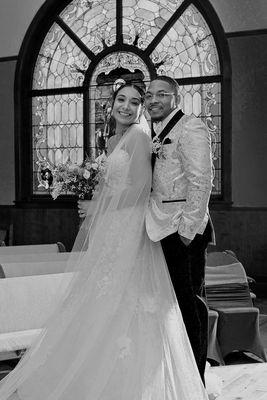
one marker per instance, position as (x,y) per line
(117,169)
(124,343)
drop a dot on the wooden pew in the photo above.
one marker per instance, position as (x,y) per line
(33,248)
(34,264)
(33,257)
(18,269)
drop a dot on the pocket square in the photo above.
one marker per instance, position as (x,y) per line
(167,141)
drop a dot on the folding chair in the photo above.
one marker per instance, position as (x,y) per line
(228,293)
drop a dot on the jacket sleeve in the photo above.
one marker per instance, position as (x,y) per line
(194,148)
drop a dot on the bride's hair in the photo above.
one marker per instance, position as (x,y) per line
(111,123)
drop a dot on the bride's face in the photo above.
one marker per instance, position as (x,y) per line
(127,106)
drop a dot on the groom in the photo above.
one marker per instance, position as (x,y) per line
(178,210)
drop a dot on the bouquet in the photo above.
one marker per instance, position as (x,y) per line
(80,180)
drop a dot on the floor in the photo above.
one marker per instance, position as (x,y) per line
(243,381)
(244,378)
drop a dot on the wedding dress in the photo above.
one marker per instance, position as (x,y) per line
(117,334)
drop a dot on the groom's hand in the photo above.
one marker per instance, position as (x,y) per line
(185,240)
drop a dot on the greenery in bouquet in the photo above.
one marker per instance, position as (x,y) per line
(80,180)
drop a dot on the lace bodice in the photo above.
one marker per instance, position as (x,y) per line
(117,169)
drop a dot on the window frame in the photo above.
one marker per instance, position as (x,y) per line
(45,17)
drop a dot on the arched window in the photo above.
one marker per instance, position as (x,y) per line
(74,51)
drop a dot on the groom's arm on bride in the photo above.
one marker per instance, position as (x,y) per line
(196,156)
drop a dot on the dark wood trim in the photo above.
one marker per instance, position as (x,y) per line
(244,208)
(66,202)
(51,92)
(220,205)
(75,38)
(47,202)
(119,36)
(199,79)
(6,59)
(256,32)
(86,121)
(152,45)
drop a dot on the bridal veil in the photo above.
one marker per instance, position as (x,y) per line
(117,332)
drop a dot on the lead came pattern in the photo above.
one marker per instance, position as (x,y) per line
(57,133)
(60,62)
(203,100)
(94,22)
(188,48)
(143,19)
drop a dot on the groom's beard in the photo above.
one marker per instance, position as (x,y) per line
(161,114)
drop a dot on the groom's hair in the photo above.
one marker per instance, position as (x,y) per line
(172,82)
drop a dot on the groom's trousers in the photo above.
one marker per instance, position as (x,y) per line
(186,266)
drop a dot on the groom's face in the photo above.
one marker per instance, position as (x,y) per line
(160,100)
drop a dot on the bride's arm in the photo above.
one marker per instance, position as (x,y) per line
(138,180)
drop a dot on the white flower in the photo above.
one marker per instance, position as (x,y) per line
(94,165)
(101,158)
(73,168)
(86,174)
(156,146)
(56,190)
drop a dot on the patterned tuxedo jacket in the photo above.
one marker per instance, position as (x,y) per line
(182,181)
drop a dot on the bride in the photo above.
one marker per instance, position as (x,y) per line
(117,333)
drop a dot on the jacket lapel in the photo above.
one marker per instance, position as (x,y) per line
(173,121)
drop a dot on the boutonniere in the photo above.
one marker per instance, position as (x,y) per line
(157,146)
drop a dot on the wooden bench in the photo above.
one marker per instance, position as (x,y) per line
(11,270)
(33,257)
(35,264)
(33,248)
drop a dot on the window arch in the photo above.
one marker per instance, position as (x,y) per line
(73,52)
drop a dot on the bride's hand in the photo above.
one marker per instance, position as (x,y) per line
(83,207)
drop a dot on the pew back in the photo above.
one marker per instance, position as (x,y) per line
(33,248)
(25,305)
(18,269)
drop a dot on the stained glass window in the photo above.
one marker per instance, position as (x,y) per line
(92,43)
(60,62)
(57,133)
(188,48)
